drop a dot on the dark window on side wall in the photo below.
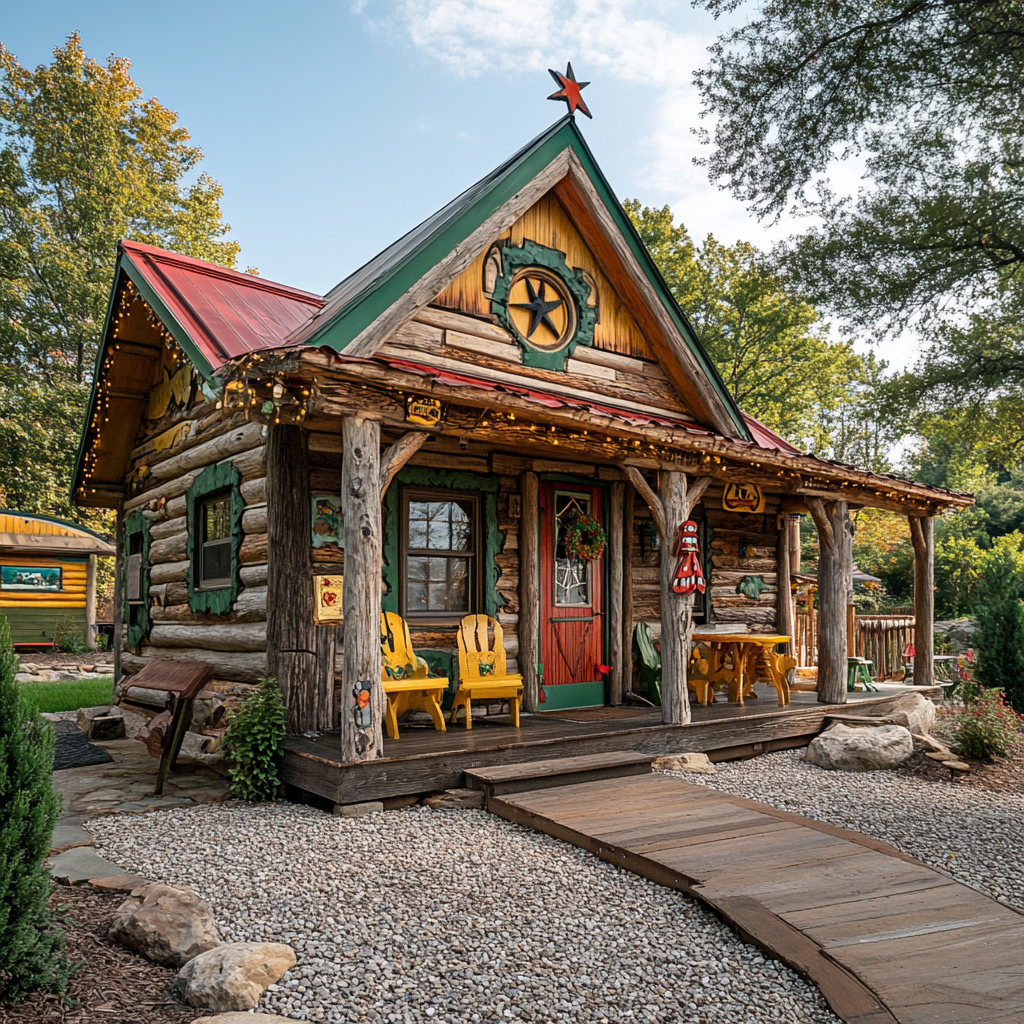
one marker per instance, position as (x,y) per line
(702,602)
(439,577)
(215,541)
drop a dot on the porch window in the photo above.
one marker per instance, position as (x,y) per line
(440,531)
(215,543)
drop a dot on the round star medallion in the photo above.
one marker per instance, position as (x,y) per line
(542,309)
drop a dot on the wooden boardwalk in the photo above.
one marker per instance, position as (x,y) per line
(886,938)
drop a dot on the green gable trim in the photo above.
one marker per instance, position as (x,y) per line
(449,480)
(530,254)
(414,261)
(135,632)
(210,481)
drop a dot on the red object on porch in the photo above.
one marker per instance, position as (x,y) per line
(689,576)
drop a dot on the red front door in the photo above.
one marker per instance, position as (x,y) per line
(571,602)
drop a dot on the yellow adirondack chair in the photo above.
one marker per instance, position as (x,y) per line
(405,677)
(483,673)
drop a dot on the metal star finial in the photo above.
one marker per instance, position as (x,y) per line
(569,90)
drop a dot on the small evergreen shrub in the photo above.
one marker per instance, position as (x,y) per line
(984,726)
(69,638)
(253,743)
(30,938)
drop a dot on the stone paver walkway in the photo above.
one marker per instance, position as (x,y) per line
(124,785)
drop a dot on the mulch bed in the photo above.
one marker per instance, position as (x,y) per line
(113,984)
(1003,774)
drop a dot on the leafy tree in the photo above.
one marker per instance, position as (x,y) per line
(765,339)
(1000,617)
(85,161)
(30,940)
(926,95)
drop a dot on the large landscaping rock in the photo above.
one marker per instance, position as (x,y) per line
(870,748)
(232,976)
(915,712)
(166,925)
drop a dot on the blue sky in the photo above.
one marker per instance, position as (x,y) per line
(336,127)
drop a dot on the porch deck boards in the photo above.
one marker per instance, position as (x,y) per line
(422,760)
(886,938)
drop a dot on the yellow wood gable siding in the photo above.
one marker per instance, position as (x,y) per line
(548,224)
(73,579)
(37,527)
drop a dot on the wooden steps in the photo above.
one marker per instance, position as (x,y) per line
(504,779)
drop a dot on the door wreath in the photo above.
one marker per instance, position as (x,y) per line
(585,539)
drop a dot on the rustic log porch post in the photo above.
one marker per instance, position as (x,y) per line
(529,588)
(786,620)
(669,509)
(118,612)
(922,535)
(362,697)
(628,505)
(291,619)
(835,582)
(616,650)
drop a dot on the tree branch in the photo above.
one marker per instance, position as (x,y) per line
(397,456)
(636,478)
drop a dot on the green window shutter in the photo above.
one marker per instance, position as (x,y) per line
(222,477)
(136,584)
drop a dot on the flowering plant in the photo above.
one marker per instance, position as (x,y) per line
(984,725)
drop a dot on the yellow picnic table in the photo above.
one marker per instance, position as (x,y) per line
(739,660)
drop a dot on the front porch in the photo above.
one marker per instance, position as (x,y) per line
(423,761)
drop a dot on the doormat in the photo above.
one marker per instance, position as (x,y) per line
(73,749)
(597,714)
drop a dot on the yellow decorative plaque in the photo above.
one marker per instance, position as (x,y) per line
(426,412)
(327,598)
(743,498)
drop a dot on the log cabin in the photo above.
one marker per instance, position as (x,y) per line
(421,440)
(48,577)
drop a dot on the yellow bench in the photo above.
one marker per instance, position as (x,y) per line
(405,678)
(483,673)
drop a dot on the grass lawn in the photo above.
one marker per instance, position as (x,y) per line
(69,696)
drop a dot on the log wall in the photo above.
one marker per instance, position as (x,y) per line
(234,643)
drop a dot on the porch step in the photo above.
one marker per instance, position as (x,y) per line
(499,780)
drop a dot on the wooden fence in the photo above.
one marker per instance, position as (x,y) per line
(882,639)
(879,638)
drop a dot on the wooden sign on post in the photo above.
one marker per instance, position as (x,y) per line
(747,498)
(424,412)
(327,598)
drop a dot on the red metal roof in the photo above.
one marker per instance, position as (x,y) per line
(765,438)
(226,314)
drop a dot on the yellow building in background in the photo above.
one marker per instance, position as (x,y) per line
(48,576)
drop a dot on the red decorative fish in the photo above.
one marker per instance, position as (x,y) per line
(689,576)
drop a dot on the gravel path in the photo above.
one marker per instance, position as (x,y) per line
(975,835)
(424,915)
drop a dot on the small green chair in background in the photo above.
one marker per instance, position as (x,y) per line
(858,670)
(650,663)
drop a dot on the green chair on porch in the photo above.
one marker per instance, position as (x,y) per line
(650,662)
(858,670)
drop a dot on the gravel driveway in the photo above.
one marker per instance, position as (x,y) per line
(425,915)
(975,835)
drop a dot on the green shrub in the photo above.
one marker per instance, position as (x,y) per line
(253,743)
(69,638)
(30,939)
(985,725)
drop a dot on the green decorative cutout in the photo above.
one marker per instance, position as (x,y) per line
(137,629)
(752,587)
(531,254)
(210,481)
(453,480)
